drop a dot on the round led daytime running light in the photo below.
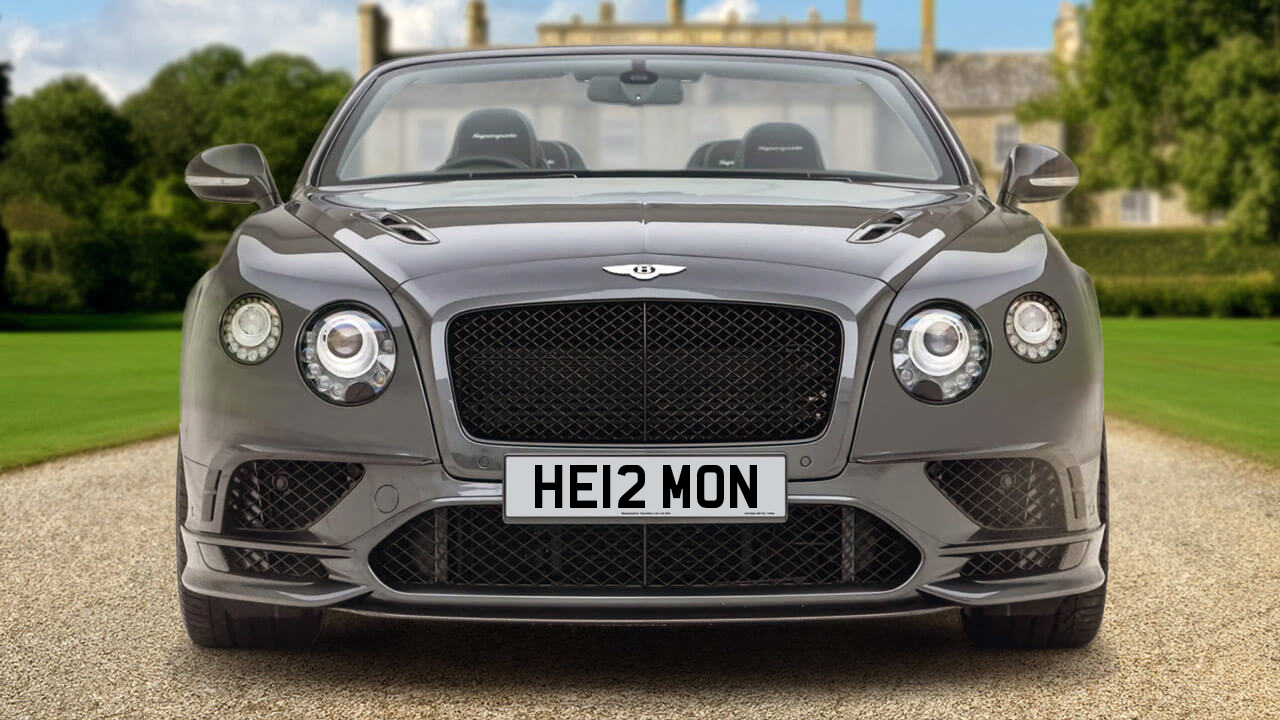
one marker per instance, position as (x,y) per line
(1034,327)
(250,329)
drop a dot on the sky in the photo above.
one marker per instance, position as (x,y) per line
(119,43)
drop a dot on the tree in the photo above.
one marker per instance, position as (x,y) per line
(281,104)
(69,146)
(211,97)
(178,113)
(4,142)
(1185,92)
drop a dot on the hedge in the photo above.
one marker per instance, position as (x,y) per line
(1191,272)
(131,263)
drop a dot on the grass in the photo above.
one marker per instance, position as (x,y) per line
(1217,381)
(77,382)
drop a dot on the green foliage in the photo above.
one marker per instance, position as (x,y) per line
(1141,252)
(1250,295)
(212,97)
(1186,272)
(5,134)
(1180,91)
(178,113)
(68,144)
(121,263)
(281,104)
(108,223)
(34,277)
(135,262)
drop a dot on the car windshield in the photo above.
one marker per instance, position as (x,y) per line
(639,114)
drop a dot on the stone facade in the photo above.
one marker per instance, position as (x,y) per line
(979,91)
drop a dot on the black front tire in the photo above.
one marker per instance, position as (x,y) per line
(218,623)
(1074,621)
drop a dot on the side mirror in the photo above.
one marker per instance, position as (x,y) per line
(1036,173)
(234,174)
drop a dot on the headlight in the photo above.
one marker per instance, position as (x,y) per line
(347,355)
(250,329)
(1035,327)
(940,354)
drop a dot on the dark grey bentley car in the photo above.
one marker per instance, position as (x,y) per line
(641,335)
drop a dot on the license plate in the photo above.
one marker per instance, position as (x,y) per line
(621,489)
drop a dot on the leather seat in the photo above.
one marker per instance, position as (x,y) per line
(779,146)
(496,133)
(715,155)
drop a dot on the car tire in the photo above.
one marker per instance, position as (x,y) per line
(219,623)
(1072,623)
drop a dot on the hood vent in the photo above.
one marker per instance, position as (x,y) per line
(881,227)
(406,229)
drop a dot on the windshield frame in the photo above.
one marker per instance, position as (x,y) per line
(317,164)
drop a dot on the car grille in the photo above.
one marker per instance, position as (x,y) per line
(271,563)
(644,372)
(1014,563)
(1002,493)
(818,545)
(286,494)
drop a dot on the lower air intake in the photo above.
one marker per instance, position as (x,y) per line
(273,564)
(286,494)
(1002,493)
(818,545)
(1014,563)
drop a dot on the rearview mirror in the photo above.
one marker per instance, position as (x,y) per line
(655,91)
(1036,173)
(234,174)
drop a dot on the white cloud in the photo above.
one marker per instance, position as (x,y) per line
(121,47)
(746,10)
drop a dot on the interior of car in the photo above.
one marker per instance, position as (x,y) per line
(501,138)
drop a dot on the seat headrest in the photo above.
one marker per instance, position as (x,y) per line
(555,155)
(717,154)
(780,146)
(561,155)
(724,155)
(497,132)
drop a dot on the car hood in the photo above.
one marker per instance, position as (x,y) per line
(524,222)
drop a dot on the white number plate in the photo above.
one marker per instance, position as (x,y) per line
(618,489)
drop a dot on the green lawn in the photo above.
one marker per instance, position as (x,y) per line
(79,382)
(1212,380)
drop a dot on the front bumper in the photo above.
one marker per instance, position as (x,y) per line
(897,492)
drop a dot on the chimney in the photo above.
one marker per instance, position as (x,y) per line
(1067,36)
(606,13)
(853,11)
(372,27)
(477,24)
(928,47)
(675,12)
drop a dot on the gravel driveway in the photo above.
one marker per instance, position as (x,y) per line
(89,625)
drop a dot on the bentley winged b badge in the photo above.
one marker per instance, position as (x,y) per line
(644,272)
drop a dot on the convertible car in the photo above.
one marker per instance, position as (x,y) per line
(641,335)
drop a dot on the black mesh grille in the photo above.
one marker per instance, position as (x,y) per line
(1014,563)
(1002,493)
(818,545)
(636,372)
(286,494)
(270,563)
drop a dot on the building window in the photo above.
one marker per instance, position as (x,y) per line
(1138,207)
(1008,134)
